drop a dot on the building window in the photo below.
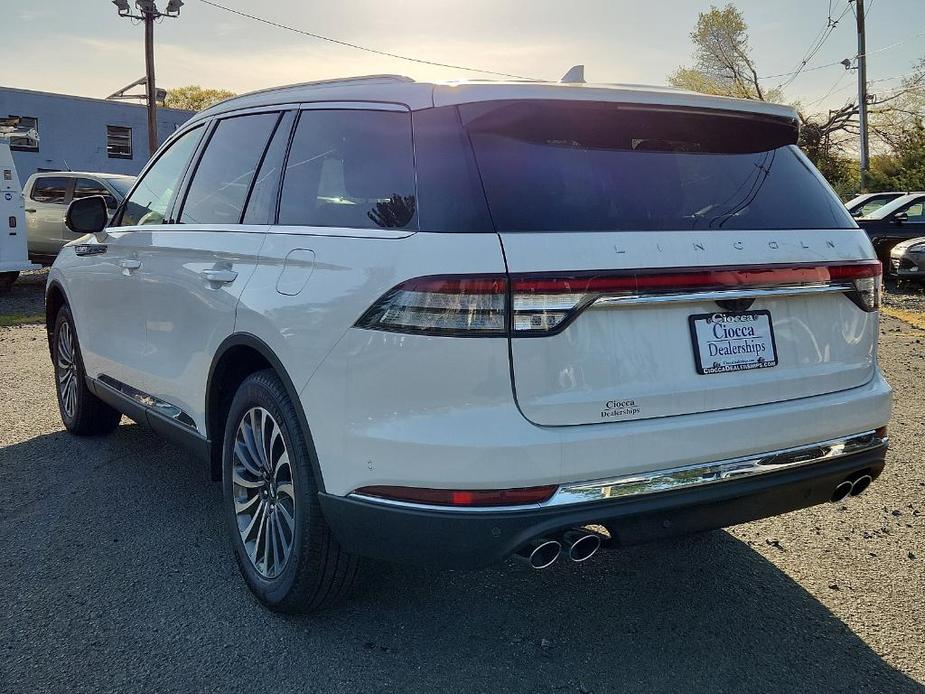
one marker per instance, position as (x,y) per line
(118,142)
(25,144)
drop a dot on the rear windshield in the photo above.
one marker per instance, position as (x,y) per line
(573,166)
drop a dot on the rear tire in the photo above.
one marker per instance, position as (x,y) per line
(6,280)
(284,548)
(82,412)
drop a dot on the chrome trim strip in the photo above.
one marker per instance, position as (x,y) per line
(149,402)
(684,477)
(710,473)
(721,295)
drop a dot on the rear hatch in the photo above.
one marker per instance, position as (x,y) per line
(665,262)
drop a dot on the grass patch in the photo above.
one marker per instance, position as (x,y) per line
(913,318)
(12,319)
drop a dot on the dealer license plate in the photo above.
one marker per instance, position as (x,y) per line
(737,341)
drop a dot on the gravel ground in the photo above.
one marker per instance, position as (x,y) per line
(117,577)
(905,296)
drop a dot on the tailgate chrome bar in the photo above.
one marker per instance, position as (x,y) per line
(720,295)
(711,473)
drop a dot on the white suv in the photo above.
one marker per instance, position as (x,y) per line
(451,323)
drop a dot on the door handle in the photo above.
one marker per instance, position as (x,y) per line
(30,209)
(219,276)
(130,264)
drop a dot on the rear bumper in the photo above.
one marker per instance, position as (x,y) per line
(467,539)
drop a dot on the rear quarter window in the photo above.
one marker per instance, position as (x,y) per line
(350,168)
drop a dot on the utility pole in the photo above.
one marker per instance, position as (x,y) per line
(149,13)
(149,81)
(862,93)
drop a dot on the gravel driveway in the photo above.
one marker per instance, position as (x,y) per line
(116,576)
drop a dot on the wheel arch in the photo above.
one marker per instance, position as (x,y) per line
(238,356)
(55,299)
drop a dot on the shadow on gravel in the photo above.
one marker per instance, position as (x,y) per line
(117,577)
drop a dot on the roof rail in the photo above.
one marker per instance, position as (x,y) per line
(329,83)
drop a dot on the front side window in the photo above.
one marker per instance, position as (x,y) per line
(225,172)
(118,142)
(25,144)
(577,166)
(150,198)
(916,212)
(51,189)
(85,187)
(350,168)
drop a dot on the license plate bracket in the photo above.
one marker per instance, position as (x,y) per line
(724,342)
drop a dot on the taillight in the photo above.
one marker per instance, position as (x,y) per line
(461,497)
(867,279)
(477,305)
(462,306)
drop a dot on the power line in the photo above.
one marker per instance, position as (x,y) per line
(358,47)
(815,46)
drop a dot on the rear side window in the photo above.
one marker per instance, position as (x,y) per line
(85,187)
(223,177)
(50,189)
(261,205)
(567,166)
(149,200)
(350,168)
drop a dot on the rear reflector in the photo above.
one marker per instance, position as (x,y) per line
(474,305)
(462,497)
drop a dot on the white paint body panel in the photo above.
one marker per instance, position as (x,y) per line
(642,355)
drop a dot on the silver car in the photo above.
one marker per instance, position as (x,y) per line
(907,260)
(47,196)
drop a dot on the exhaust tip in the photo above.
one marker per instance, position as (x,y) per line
(584,547)
(543,554)
(860,484)
(841,491)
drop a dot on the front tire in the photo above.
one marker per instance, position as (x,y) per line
(284,548)
(82,412)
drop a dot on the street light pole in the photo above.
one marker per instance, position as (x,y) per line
(149,81)
(149,13)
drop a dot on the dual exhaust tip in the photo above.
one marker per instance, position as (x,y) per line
(851,487)
(578,545)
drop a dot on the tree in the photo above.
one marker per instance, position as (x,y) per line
(904,167)
(724,66)
(194,98)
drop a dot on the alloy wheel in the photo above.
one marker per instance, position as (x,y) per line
(263,492)
(67,370)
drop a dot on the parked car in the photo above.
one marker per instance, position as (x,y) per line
(907,260)
(899,220)
(562,310)
(47,196)
(867,203)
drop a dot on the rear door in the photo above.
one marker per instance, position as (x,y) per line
(669,262)
(196,267)
(45,209)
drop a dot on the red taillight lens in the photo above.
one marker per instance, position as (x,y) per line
(473,305)
(462,497)
(463,306)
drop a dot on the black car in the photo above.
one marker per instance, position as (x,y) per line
(899,220)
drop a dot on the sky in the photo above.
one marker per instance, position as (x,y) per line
(82,47)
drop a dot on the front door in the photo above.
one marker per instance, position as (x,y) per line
(45,209)
(110,279)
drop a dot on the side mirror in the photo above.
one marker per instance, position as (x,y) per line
(87,215)
(900,218)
